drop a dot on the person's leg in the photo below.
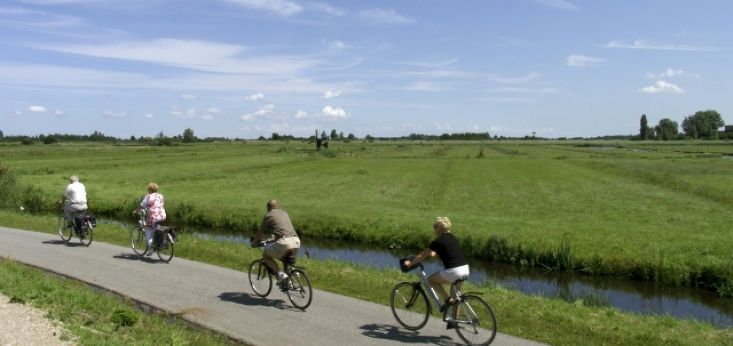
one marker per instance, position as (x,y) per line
(436,282)
(267,257)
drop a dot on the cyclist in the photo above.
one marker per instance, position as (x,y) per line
(154,205)
(75,199)
(277,227)
(455,264)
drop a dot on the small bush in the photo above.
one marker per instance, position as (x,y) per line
(124,318)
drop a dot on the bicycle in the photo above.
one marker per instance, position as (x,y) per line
(470,315)
(82,225)
(297,286)
(164,239)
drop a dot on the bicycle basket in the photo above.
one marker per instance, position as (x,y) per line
(92,219)
(404,268)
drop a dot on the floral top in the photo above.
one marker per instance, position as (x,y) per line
(154,204)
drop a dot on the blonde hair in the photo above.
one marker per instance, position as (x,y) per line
(443,222)
(152,187)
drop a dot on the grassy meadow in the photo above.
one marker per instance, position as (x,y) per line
(641,210)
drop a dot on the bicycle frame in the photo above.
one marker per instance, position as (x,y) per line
(454,291)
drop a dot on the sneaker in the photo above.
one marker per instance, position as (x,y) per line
(448,302)
(281,277)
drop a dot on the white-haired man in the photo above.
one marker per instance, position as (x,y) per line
(75,198)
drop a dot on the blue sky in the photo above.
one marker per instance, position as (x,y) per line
(245,68)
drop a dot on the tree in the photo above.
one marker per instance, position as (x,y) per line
(1,134)
(666,129)
(334,135)
(188,136)
(323,135)
(644,128)
(703,124)
(275,136)
(351,136)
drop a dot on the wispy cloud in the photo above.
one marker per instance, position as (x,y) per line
(662,87)
(672,73)
(188,97)
(279,7)
(334,113)
(329,9)
(650,45)
(576,60)
(58,113)
(37,109)
(429,64)
(301,114)
(189,54)
(384,17)
(33,18)
(329,94)
(532,76)
(424,86)
(561,4)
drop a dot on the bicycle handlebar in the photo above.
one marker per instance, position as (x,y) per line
(405,269)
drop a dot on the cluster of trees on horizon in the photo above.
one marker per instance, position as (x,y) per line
(701,125)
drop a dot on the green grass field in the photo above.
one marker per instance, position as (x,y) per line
(648,211)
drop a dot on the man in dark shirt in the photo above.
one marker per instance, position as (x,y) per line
(277,227)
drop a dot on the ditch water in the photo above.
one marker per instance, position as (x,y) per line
(637,297)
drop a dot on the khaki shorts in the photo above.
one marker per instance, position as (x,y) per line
(279,248)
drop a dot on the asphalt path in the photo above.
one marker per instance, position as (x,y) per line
(221,300)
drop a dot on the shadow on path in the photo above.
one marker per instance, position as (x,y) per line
(133,257)
(389,332)
(61,242)
(246,299)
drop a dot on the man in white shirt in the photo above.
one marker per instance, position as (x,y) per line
(75,198)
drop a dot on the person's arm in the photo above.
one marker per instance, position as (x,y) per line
(143,205)
(258,236)
(425,254)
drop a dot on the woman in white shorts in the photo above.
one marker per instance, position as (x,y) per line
(446,247)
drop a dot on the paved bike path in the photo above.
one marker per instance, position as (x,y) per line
(220,299)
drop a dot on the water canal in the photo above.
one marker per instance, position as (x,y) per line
(630,296)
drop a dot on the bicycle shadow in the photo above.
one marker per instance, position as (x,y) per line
(390,332)
(133,257)
(61,242)
(252,300)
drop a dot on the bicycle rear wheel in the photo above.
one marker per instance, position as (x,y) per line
(86,233)
(165,247)
(475,321)
(65,229)
(137,240)
(410,305)
(259,278)
(300,292)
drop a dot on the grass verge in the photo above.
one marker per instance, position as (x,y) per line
(553,321)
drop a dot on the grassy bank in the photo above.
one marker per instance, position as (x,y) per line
(642,211)
(548,320)
(95,318)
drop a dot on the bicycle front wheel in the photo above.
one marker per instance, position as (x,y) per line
(165,247)
(300,292)
(410,305)
(259,278)
(137,240)
(65,229)
(86,234)
(475,321)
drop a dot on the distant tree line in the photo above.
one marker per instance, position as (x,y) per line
(701,125)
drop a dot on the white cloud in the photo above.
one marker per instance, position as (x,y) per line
(644,44)
(662,87)
(561,4)
(429,64)
(280,7)
(263,111)
(423,86)
(671,73)
(37,19)
(255,97)
(149,115)
(576,60)
(516,80)
(301,114)
(380,16)
(188,97)
(331,94)
(37,109)
(507,99)
(110,114)
(334,113)
(207,116)
(58,113)
(213,110)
